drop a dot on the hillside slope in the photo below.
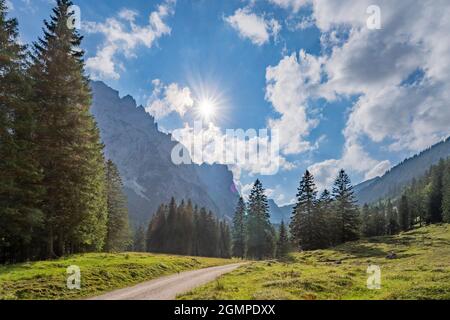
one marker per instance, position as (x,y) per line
(420,271)
(143,155)
(393,182)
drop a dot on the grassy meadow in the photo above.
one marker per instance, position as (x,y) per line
(100,273)
(421,270)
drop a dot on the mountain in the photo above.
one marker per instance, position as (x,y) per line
(143,155)
(394,181)
(278,214)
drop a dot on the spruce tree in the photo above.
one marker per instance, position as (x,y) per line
(118,232)
(404,214)
(303,228)
(139,239)
(436,196)
(157,232)
(446,193)
(261,234)
(326,220)
(346,208)
(282,243)
(20,174)
(172,220)
(69,147)
(239,230)
(393,226)
(224,240)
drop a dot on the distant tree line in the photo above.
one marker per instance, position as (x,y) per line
(57,193)
(424,201)
(187,230)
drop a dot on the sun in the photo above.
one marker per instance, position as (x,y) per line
(207,108)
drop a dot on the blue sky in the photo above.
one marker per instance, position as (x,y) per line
(340,93)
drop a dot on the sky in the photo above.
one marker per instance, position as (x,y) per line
(342,84)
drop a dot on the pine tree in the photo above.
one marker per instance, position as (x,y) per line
(172,221)
(139,240)
(404,214)
(20,174)
(69,147)
(224,240)
(436,197)
(393,226)
(282,243)
(157,232)
(118,233)
(446,193)
(303,229)
(239,231)
(188,228)
(326,221)
(261,234)
(346,208)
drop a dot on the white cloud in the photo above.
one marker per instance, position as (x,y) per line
(295,5)
(254,27)
(210,144)
(378,67)
(9,5)
(288,87)
(124,36)
(354,160)
(170,98)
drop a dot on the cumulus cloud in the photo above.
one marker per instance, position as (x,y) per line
(166,99)
(123,36)
(251,151)
(9,5)
(289,85)
(254,27)
(295,5)
(400,76)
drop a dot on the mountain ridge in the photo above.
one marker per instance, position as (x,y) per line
(394,180)
(143,156)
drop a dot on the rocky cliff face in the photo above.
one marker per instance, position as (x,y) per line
(143,156)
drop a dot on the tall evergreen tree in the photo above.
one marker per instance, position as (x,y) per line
(346,208)
(404,213)
(436,196)
(393,226)
(139,240)
(172,221)
(303,229)
(157,232)
(20,174)
(261,234)
(239,230)
(118,232)
(224,240)
(283,242)
(326,221)
(446,193)
(69,147)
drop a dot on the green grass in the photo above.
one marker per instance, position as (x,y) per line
(421,271)
(100,273)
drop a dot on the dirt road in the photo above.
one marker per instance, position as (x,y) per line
(167,288)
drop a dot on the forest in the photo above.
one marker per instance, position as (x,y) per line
(188,230)
(424,201)
(58,194)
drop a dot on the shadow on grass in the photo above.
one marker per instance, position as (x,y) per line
(358,250)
